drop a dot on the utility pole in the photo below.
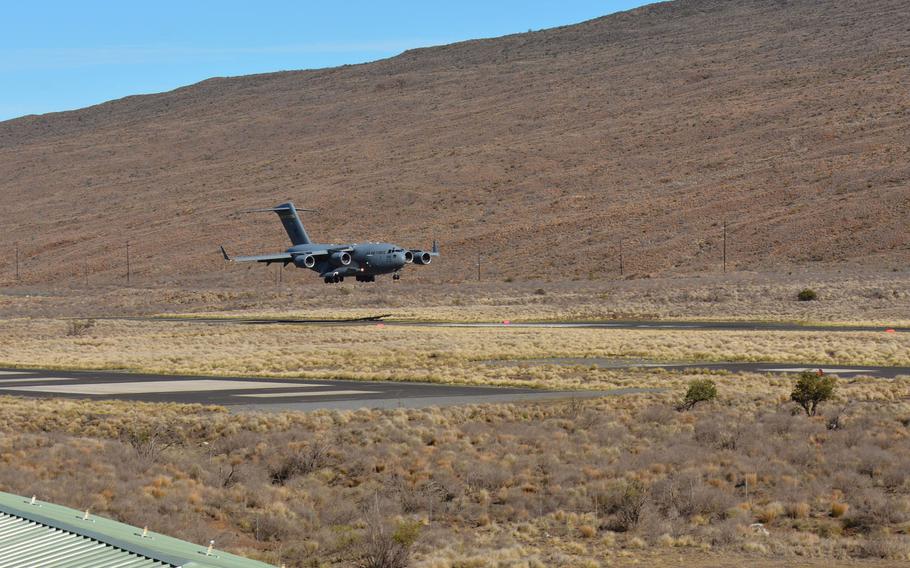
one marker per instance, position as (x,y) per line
(478,267)
(17,263)
(128,269)
(620,258)
(725,246)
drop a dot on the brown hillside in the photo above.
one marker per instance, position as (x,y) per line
(791,119)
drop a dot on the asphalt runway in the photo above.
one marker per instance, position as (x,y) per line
(842,371)
(245,393)
(380,320)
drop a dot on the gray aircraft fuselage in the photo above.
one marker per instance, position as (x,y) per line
(367,259)
(334,262)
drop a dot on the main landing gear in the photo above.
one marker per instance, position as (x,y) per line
(370,278)
(334,279)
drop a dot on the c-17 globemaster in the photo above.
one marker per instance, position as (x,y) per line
(363,261)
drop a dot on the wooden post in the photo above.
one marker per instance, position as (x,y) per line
(621,268)
(128,268)
(725,246)
(17,263)
(478,267)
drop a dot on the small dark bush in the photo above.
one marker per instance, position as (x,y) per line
(807,295)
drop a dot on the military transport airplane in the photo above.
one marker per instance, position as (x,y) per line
(364,261)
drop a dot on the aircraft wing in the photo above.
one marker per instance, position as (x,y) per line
(284,257)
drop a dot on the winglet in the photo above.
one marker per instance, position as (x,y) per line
(224,253)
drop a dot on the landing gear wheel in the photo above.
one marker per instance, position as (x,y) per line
(396,277)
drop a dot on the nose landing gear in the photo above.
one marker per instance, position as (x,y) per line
(396,276)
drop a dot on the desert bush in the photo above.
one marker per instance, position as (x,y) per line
(302,462)
(149,441)
(807,295)
(78,328)
(718,435)
(686,495)
(838,509)
(890,547)
(769,513)
(700,390)
(812,389)
(384,546)
(622,502)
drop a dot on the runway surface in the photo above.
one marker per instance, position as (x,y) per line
(732,367)
(607,324)
(245,393)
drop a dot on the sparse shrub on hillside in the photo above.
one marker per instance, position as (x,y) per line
(302,462)
(807,295)
(78,328)
(700,390)
(149,441)
(622,503)
(385,546)
(812,389)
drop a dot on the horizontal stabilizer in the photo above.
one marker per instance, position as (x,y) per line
(278,208)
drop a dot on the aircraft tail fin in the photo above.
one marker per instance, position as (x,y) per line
(291,221)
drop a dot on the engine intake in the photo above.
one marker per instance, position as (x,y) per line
(340,258)
(422,257)
(304,261)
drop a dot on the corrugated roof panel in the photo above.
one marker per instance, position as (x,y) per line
(25,543)
(39,534)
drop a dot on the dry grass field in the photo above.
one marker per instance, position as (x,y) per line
(619,481)
(844,296)
(446,355)
(603,482)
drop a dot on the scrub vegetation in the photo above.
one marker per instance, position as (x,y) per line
(746,478)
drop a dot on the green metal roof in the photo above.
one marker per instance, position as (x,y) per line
(51,536)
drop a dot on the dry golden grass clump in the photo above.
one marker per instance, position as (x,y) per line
(571,483)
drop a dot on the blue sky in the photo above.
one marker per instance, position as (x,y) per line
(65,55)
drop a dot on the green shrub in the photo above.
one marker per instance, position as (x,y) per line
(807,295)
(811,389)
(700,390)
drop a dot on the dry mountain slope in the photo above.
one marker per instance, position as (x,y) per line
(788,118)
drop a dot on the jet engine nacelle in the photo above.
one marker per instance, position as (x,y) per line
(340,258)
(422,257)
(305,261)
